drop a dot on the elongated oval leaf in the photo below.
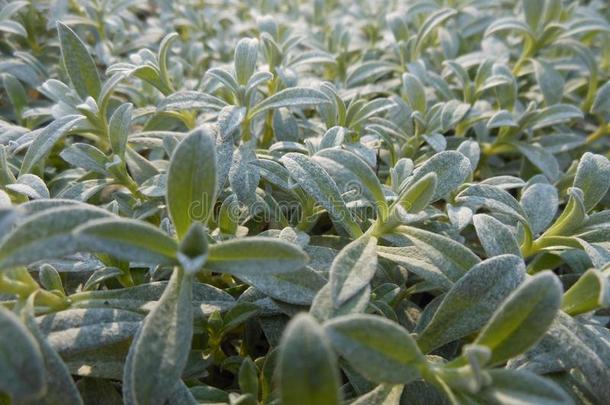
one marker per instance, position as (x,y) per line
(46,139)
(353,269)
(128,240)
(22,370)
(47,235)
(451,168)
(255,255)
(160,349)
(191,181)
(317,183)
(381,350)
(291,97)
(592,176)
(60,385)
(75,331)
(496,238)
(361,170)
(307,367)
(118,128)
(433,21)
(79,64)
(471,301)
(416,196)
(528,387)
(590,292)
(246,52)
(187,100)
(523,318)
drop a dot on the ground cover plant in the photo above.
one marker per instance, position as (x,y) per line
(304,202)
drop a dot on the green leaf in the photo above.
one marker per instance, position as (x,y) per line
(353,269)
(246,53)
(414,91)
(550,81)
(47,235)
(534,11)
(307,369)
(16,93)
(418,195)
(541,158)
(433,21)
(589,293)
(243,176)
(420,264)
(46,139)
(164,48)
(601,103)
(472,151)
(291,97)
(77,330)
(368,71)
(384,394)
(248,377)
(556,114)
(79,64)
(191,181)
(522,318)
(492,198)
(323,308)
(87,157)
(13,27)
(572,216)
(496,238)
(187,100)
(472,300)
(144,297)
(452,257)
(572,344)
(379,349)
(50,279)
(128,239)
(193,251)
(319,185)
(30,186)
(360,169)
(118,128)
(592,176)
(237,315)
(522,387)
(368,110)
(540,202)
(298,287)
(509,24)
(160,349)
(451,168)
(22,368)
(501,119)
(255,255)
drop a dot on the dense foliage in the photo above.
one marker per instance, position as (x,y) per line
(304,202)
